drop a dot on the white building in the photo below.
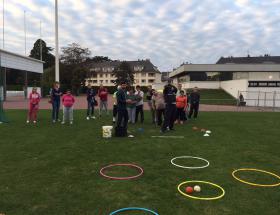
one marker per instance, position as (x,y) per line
(257,78)
(145,73)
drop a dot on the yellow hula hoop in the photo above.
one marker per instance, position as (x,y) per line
(201,198)
(254,184)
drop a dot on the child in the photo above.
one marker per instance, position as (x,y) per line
(181,105)
(91,102)
(34,99)
(131,105)
(68,101)
(103,96)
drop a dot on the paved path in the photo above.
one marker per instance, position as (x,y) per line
(81,103)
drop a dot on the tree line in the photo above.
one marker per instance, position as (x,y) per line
(74,66)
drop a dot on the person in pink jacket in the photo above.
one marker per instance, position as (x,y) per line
(68,101)
(34,99)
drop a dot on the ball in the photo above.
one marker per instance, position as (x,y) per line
(189,190)
(197,188)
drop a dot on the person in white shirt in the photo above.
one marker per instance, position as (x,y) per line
(139,104)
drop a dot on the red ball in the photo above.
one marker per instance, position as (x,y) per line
(189,190)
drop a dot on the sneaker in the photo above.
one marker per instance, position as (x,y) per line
(27,121)
(93,117)
(53,121)
(34,121)
(181,122)
(62,122)
(71,122)
(87,118)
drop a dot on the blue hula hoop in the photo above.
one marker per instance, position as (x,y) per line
(133,209)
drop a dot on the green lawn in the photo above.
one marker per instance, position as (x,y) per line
(54,169)
(216,97)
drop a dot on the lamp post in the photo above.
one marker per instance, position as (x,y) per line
(56,43)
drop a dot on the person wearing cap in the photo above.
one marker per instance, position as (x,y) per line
(194,103)
(169,95)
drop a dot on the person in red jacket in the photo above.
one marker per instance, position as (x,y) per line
(68,101)
(34,99)
(181,105)
(103,97)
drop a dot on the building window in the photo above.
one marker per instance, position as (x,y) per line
(100,81)
(112,81)
(106,81)
(94,81)
(106,75)
(100,75)
(143,81)
(151,75)
(151,81)
(138,68)
(143,74)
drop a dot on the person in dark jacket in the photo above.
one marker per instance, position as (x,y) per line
(91,102)
(194,102)
(55,100)
(169,94)
(121,107)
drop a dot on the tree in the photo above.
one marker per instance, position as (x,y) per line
(74,54)
(47,57)
(98,59)
(124,73)
(74,71)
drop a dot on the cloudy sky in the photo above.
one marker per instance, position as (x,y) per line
(168,32)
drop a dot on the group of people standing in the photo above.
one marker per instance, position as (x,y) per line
(168,107)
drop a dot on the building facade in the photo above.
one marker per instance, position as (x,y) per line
(145,73)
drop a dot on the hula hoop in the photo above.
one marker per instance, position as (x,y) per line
(190,167)
(133,209)
(254,184)
(201,198)
(141,171)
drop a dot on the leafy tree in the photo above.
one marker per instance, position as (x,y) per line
(47,57)
(124,73)
(74,54)
(74,71)
(98,59)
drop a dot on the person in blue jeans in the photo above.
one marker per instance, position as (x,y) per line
(55,99)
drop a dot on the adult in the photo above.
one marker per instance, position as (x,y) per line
(139,105)
(103,99)
(115,112)
(169,94)
(121,128)
(150,102)
(194,102)
(131,105)
(55,100)
(91,102)
(158,106)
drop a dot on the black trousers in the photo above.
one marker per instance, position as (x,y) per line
(194,110)
(115,111)
(139,109)
(90,109)
(122,118)
(180,114)
(159,115)
(169,116)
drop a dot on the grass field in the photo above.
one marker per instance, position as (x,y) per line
(216,97)
(54,169)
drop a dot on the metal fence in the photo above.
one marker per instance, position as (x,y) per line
(261,99)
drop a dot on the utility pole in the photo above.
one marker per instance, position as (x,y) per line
(41,55)
(56,43)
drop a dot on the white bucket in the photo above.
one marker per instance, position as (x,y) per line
(107,131)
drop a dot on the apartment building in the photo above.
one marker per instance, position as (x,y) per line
(145,73)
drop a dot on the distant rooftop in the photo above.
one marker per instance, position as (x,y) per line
(266,59)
